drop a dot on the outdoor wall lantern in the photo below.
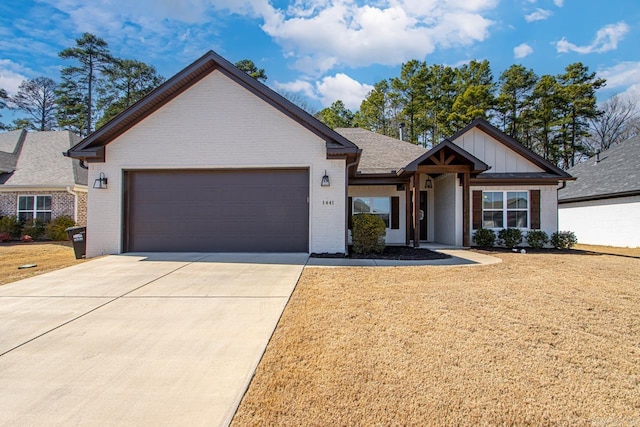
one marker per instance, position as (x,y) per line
(100,182)
(325,180)
(428,183)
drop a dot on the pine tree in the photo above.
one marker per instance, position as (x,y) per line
(127,81)
(408,94)
(336,116)
(3,104)
(250,68)
(475,94)
(37,98)
(516,86)
(76,93)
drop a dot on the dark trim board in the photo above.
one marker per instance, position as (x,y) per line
(216,210)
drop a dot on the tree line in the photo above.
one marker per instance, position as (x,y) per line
(556,116)
(95,87)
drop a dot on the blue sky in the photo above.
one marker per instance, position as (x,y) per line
(330,49)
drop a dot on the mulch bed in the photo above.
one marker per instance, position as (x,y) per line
(402,253)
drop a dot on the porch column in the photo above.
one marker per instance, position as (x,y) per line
(466,230)
(407,213)
(416,210)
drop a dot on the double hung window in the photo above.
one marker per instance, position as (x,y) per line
(30,207)
(505,209)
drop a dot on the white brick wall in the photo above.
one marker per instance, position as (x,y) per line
(612,222)
(217,124)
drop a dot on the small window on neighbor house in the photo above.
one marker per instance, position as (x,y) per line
(380,206)
(498,214)
(30,207)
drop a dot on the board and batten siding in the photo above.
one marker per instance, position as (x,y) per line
(218,124)
(609,222)
(501,158)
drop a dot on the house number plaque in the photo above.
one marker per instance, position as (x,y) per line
(327,202)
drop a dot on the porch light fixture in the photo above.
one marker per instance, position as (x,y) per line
(428,183)
(325,180)
(100,182)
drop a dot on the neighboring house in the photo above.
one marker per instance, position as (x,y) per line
(36,181)
(213,160)
(602,207)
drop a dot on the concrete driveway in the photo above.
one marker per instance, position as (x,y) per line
(140,339)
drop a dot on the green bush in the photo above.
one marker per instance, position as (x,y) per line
(34,228)
(510,237)
(10,224)
(367,234)
(564,239)
(484,237)
(537,238)
(56,228)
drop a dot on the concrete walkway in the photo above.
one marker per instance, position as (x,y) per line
(459,257)
(163,339)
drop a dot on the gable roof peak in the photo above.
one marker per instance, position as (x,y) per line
(92,147)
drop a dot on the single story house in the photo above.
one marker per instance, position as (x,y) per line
(602,207)
(36,181)
(213,160)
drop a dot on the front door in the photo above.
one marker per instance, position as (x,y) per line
(423,215)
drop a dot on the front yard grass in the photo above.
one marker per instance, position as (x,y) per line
(48,256)
(540,339)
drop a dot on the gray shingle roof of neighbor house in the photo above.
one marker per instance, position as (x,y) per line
(92,147)
(617,174)
(10,145)
(40,162)
(380,153)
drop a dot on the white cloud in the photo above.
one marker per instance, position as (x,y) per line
(558,3)
(298,86)
(342,87)
(606,39)
(538,15)
(11,75)
(623,78)
(330,89)
(317,35)
(324,34)
(522,50)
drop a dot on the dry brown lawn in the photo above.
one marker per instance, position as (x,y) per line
(631,252)
(540,339)
(48,257)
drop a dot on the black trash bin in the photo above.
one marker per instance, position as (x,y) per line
(78,236)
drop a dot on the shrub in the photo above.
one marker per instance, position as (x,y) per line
(510,237)
(56,229)
(367,234)
(537,238)
(564,239)
(26,239)
(10,224)
(484,237)
(5,237)
(34,228)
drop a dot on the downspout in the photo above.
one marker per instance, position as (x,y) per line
(564,184)
(75,203)
(346,205)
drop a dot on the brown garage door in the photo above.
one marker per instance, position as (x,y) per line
(217,211)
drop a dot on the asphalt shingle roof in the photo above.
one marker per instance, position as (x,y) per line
(380,153)
(41,163)
(618,171)
(9,150)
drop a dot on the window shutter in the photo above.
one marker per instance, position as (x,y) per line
(535,209)
(350,214)
(395,213)
(477,209)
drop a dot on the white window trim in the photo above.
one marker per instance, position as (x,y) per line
(35,210)
(505,209)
